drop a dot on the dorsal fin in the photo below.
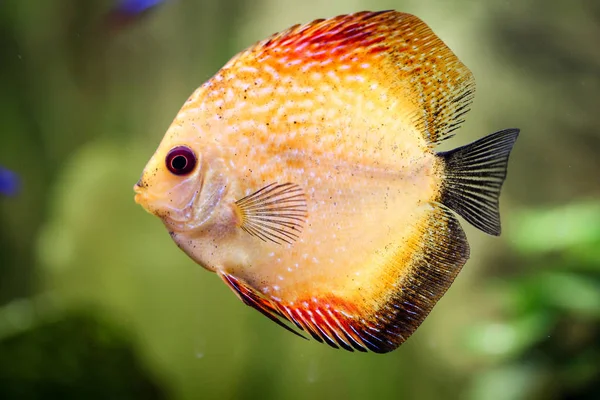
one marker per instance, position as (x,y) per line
(416,66)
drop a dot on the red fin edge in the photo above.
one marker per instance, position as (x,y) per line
(378,324)
(334,35)
(331,320)
(251,298)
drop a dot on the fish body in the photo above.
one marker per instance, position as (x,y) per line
(9,182)
(304,174)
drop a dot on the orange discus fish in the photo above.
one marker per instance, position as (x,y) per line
(304,174)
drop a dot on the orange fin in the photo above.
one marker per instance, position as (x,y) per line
(275,213)
(323,324)
(384,321)
(426,73)
(255,300)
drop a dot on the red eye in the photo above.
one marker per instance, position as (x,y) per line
(181,160)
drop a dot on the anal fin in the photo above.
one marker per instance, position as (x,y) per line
(383,321)
(255,300)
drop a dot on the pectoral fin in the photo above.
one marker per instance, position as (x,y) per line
(275,213)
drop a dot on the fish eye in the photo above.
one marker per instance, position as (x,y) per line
(181,160)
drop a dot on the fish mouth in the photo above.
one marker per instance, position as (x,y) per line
(174,218)
(141,197)
(138,193)
(138,189)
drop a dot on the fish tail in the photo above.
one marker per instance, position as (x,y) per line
(473,178)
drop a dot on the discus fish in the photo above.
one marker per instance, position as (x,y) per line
(304,174)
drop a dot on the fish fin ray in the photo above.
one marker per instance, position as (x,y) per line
(383,323)
(438,88)
(435,261)
(274,213)
(474,175)
(255,300)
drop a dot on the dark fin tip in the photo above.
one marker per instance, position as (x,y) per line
(474,175)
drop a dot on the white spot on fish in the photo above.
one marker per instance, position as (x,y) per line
(229,95)
(271,71)
(355,78)
(308,66)
(333,76)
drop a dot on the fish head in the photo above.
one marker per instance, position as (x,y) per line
(182,183)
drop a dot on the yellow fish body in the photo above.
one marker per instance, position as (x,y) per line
(304,174)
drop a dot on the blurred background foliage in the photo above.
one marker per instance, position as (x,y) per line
(97,302)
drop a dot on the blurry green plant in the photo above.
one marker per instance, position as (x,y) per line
(75,354)
(545,341)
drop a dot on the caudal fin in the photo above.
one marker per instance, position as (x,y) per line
(474,175)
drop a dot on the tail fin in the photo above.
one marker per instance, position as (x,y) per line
(474,175)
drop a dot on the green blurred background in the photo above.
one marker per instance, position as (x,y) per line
(97,302)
